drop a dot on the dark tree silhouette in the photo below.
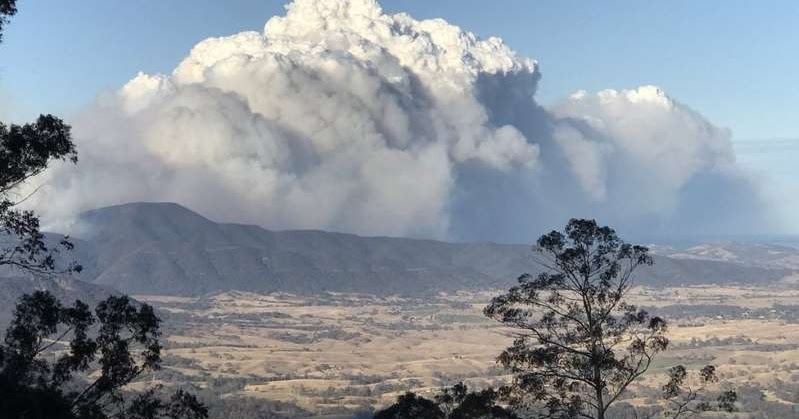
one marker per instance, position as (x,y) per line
(26,151)
(459,403)
(682,399)
(411,406)
(580,345)
(8,8)
(50,366)
(454,403)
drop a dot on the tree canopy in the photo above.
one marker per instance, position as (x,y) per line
(25,151)
(53,366)
(8,8)
(579,345)
(453,403)
(66,361)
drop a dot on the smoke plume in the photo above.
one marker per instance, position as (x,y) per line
(342,117)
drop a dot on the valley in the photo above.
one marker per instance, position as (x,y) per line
(285,324)
(342,353)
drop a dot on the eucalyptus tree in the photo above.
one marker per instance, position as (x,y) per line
(579,345)
(66,362)
(61,361)
(451,403)
(8,8)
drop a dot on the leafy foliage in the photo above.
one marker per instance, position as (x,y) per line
(579,344)
(684,399)
(459,403)
(50,366)
(181,405)
(25,151)
(49,356)
(454,403)
(410,406)
(8,8)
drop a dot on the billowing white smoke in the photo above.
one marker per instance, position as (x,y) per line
(641,137)
(342,117)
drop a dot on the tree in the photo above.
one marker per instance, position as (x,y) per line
(40,376)
(50,366)
(454,403)
(580,344)
(682,399)
(459,403)
(411,406)
(25,151)
(8,8)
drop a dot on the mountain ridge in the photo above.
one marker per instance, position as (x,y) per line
(165,248)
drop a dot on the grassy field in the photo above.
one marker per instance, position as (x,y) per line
(335,353)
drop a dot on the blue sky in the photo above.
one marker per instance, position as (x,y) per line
(733,61)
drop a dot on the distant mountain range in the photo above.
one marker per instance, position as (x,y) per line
(164,248)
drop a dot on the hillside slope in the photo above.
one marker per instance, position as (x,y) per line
(167,249)
(164,248)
